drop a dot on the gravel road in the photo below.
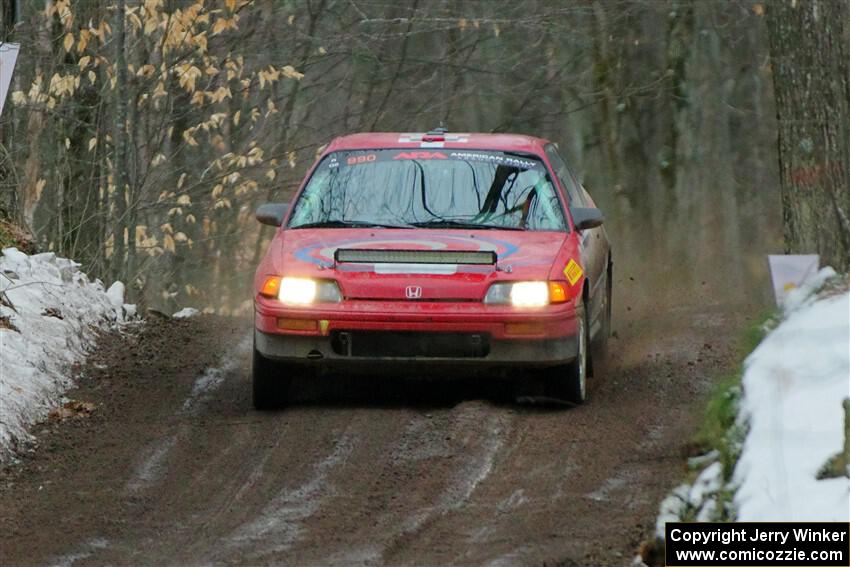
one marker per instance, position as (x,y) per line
(174,467)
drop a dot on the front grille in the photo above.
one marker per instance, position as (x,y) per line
(410,344)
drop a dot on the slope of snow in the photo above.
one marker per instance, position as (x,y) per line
(794,383)
(49,312)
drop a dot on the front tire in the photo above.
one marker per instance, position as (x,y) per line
(270,383)
(569,382)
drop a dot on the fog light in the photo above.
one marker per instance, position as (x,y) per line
(297,324)
(524,329)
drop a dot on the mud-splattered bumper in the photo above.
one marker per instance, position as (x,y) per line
(465,334)
(336,352)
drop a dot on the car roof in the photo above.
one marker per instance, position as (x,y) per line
(453,140)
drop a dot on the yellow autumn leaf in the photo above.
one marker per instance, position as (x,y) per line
(187,136)
(231,5)
(219,26)
(84,61)
(92,77)
(68,42)
(92,143)
(271,174)
(290,72)
(187,74)
(134,19)
(220,94)
(67,143)
(84,40)
(247,186)
(184,200)
(236,117)
(168,242)
(151,19)
(159,90)
(201,41)
(181,181)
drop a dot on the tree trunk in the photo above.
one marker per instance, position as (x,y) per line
(120,137)
(811,76)
(33,172)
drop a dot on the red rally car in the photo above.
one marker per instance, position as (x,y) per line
(439,249)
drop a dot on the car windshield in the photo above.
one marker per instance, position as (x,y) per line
(434,188)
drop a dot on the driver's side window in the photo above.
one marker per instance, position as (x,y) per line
(574,192)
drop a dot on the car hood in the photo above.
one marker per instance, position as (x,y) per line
(520,255)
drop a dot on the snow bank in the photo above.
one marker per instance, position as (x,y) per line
(185,313)
(697,500)
(794,383)
(49,311)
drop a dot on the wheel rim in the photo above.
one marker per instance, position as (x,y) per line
(582,358)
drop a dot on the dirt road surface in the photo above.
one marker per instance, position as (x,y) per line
(174,467)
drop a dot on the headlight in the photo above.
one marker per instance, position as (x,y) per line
(301,291)
(526,294)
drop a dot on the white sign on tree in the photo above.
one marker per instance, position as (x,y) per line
(8,56)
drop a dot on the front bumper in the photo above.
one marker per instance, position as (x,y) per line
(506,336)
(319,351)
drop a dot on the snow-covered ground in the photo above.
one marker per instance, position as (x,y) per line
(794,383)
(49,311)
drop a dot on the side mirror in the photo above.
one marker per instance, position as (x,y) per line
(586,217)
(272,214)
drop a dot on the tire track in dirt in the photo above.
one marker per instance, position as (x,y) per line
(153,464)
(279,525)
(430,468)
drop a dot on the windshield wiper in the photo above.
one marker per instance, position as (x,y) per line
(336,223)
(449,223)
